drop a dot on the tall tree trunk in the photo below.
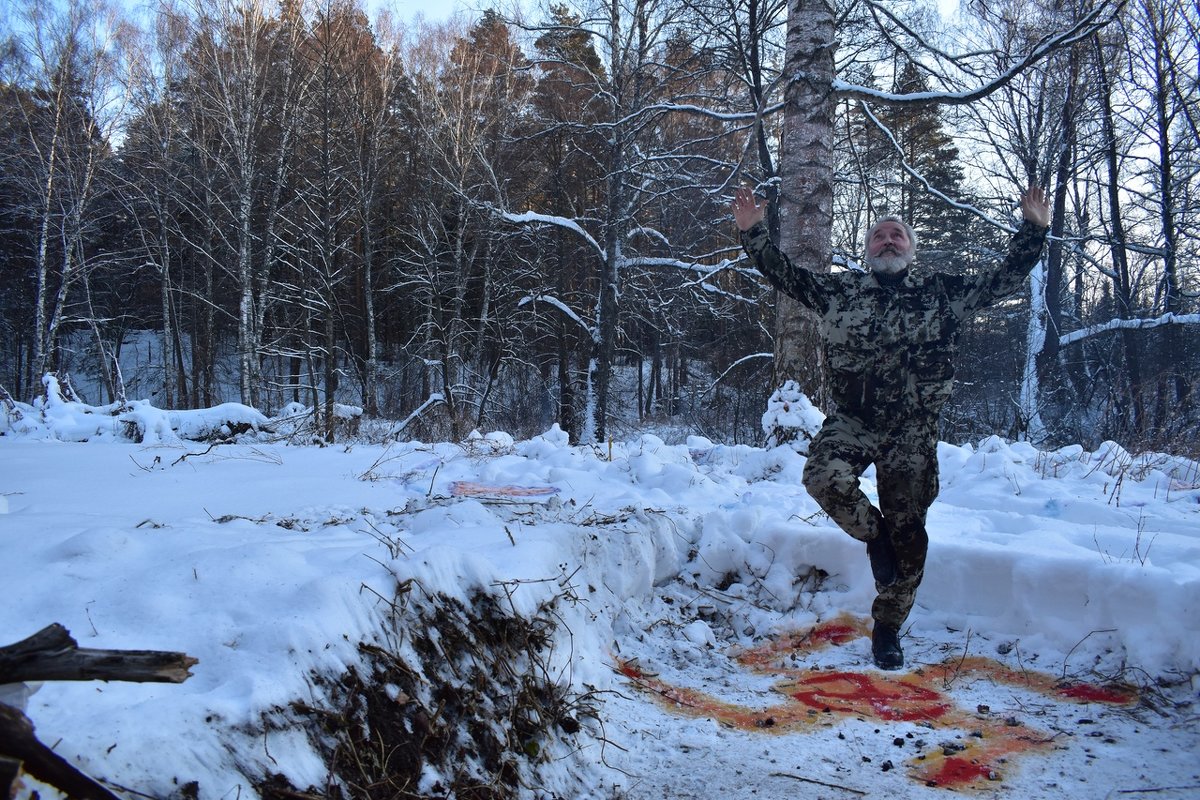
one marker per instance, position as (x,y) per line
(1050,375)
(1178,387)
(180,367)
(607,307)
(41,343)
(331,373)
(204,362)
(167,336)
(247,341)
(607,313)
(566,389)
(73,239)
(1122,285)
(370,389)
(806,198)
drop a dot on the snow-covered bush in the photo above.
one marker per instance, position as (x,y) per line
(791,418)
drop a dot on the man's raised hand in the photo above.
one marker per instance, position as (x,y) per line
(1034,207)
(747,211)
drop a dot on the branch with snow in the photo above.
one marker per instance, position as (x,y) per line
(735,365)
(704,273)
(1127,324)
(431,401)
(592,331)
(532,217)
(1086,26)
(650,233)
(700,111)
(928,187)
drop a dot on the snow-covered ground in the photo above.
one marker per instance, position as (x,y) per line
(686,576)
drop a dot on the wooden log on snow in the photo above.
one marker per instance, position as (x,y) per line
(20,751)
(52,654)
(10,771)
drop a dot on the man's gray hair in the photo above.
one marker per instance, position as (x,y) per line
(912,235)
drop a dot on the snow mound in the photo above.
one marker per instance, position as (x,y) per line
(56,415)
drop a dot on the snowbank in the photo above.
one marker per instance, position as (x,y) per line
(55,416)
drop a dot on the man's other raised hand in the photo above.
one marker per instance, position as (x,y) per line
(1034,207)
(747,211)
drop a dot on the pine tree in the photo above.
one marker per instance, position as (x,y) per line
(926,165)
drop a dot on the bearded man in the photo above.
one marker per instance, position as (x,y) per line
(890,335)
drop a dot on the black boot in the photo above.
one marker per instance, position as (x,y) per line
(883,558)
(885,647)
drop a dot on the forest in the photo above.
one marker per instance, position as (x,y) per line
(510,220)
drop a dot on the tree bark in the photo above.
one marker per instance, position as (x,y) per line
(1164,80)
(806,196)
(1051,377)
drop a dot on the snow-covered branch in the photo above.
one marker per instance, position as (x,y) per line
(1086,26)
(592,331)
(433,400)
(532,217)
(733,366)
(649,233)
(704,273)
(700,111)
(929,187)
(1127,324)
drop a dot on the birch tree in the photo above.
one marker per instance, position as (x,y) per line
(243,64)
(68,109)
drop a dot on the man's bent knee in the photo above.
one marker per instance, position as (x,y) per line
(825,482)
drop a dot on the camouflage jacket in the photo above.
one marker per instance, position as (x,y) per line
(890,342)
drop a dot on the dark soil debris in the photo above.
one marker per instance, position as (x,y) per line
(472,698)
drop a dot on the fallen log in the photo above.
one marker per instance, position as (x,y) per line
(21,750)
(52,654)
(10,770)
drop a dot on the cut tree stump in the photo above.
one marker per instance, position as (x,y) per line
(52,654)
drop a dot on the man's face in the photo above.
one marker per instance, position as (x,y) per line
(889,248)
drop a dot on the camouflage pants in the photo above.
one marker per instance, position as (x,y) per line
(906,471)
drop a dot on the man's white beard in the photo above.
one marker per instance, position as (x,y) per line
(889,263)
